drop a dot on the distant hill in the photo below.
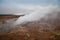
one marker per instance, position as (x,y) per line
(9,16)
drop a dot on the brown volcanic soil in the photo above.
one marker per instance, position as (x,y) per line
(23,33)
(40,30)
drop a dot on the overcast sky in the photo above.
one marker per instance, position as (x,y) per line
(19,6)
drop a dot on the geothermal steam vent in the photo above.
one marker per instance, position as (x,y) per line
(47,13)
(7,21)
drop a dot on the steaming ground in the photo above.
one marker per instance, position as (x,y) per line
(47,13)
(38,14)
(6,25)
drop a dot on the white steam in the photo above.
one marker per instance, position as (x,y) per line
(32,13)
(37,13)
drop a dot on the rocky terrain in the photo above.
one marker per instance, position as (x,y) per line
(37,30)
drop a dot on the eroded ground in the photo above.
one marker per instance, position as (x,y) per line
(44,30)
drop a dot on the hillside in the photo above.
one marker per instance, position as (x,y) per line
(33,31)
